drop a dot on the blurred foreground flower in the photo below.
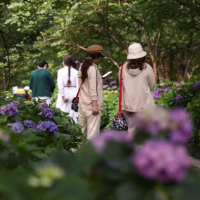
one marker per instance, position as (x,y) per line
(100,141)
(161,161)
(180,126)
(46,175)
(175,122)
(4,137)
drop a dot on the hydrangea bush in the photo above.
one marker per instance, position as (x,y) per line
(38,128)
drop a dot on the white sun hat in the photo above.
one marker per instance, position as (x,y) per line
(135,51)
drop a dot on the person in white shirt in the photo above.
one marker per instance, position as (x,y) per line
(67,80)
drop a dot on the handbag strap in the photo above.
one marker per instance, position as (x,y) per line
(120,93)
(76,98)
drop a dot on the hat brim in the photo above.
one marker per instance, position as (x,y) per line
(136,56)
(96,52)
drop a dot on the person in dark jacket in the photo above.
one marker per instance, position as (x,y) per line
(41,82)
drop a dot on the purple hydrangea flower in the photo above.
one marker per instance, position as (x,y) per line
(114,87)
(9,109)
(15,103)
(181,126)
(157,93)
(48,112)
(105,87)
(112,83)
(178,98)
(196,85)
(29,123)
(154,121)
(179,90)
(161,161)
(47,126)
(43,105)
(100,141)
(17,127)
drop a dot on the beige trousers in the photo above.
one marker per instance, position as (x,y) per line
(90,124)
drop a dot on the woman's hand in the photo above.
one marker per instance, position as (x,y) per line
(65,99)
(95,109)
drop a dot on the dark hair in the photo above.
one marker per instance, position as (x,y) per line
(42,63)
(69,61)
(136,63)
(87,63)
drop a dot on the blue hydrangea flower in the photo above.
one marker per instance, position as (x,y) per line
(43,105)
(48,112)
(47,126)
(157,93)
(29,123)
(17,127)
(178,98)
(9,109)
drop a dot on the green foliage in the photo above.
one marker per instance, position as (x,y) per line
(30,145)
(110,109)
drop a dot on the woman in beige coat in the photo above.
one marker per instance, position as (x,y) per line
(91,92)
(138,80)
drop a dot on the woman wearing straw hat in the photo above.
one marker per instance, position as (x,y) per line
(91,92)
(138,80)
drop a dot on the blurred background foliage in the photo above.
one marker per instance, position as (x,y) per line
(33,30)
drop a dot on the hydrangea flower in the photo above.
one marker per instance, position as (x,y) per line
(196,85)
(100,141)
(161,161)
(181,126)
(105,87)
(29,123)
(17,127)
(176,122)
(112,83)
(9,109)
(178,98)
(114,87)
(153,121)
(42,105)
(179,90)
(48,112)
(157,93)
(47,126)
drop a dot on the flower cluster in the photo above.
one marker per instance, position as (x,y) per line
(161,160)
(9,109)
(109,85)
(48,112)
(47,126)
(179,90)
(17,127)
(157,93)
(42,105)
(100,141)
(176,122)
(180,126)
(29,124)
(196,85)
(178,98)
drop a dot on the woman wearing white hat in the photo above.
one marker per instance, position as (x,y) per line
(138,80)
